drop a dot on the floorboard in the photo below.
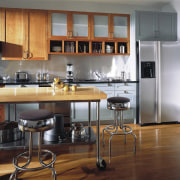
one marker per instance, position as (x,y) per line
(157,158)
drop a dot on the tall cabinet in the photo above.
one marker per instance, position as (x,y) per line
(13,47)
(25,35)
(2,24)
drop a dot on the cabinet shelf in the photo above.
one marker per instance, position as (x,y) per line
(76,47)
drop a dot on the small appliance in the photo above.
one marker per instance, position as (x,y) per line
(21,76)
(69,72)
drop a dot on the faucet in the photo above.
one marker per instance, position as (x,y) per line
(98,76)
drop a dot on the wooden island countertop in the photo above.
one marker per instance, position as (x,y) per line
(46,94)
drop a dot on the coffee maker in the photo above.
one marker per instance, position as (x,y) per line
(69,72)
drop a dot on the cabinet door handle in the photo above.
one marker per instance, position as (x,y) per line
(125,92)
(70,34)
(25,54)
(111,35)
(30,55)
(156,34)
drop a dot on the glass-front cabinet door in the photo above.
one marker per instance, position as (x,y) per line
(110,26)
(69,25)
(100,26)
(119,26)
(58,24)
(80,26)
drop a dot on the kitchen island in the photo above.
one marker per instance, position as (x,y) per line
(47,94)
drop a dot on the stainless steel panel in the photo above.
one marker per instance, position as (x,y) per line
(148,89)
(148,50)
(148,101)
(170,83)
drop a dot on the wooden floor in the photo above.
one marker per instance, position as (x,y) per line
(157,158)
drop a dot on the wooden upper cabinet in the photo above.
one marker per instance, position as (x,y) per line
(88,33)
(110,26)
(13,47)
(36,35)
(26,35)
(68,25)
(2,23)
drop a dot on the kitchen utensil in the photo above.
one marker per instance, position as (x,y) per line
(45,76)
(38,76)
(5,77)
(9,132)
(78,131)
(122,49)
(109,49)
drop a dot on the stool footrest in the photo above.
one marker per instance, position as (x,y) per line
(22,168)
(109,129)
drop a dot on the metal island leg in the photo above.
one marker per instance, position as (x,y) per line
(101,163)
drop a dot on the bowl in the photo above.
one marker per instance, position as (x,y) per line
(57,48)
(109,50)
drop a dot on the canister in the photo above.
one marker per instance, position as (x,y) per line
(122,49)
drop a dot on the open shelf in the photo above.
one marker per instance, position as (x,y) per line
(81,47)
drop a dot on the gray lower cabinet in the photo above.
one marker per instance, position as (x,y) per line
(108,88)
(79,111)
(12,110)
(128,90)
(155,26)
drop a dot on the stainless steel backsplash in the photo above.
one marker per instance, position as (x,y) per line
(84,66)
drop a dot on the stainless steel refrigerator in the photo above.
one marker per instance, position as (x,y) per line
(159,82)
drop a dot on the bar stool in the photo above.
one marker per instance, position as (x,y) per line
(118,104)
(35,121)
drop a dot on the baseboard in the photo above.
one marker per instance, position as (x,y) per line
(151,124)
(105,122)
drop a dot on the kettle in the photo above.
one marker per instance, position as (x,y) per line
(78,131)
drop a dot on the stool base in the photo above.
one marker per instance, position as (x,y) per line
(118,128)
(28,155)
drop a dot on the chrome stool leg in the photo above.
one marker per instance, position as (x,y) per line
(29,156)
(125,130)
(40,160)
(110,148)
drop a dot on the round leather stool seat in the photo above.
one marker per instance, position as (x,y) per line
(118,103)
(36,120)
(34,115)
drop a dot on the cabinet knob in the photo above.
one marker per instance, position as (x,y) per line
(125,92)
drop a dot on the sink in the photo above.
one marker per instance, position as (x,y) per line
(87,80)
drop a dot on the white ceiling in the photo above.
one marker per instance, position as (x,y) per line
(137,2)
(125,2)
(88,5)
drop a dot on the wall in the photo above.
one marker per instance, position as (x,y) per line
(83,65)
